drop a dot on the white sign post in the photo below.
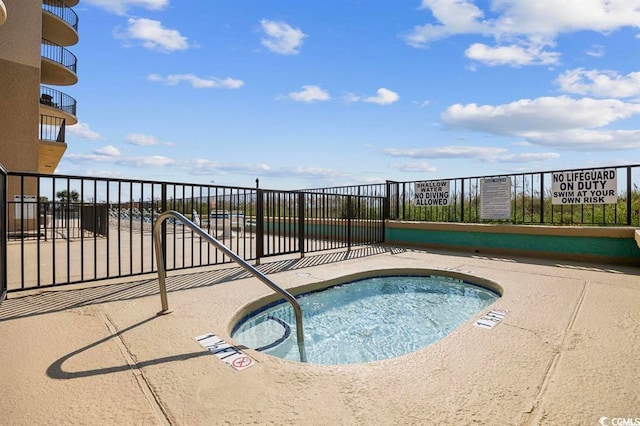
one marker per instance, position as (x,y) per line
(585,187)
(495,198)
(432,193)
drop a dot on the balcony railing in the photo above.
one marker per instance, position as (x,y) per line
(52,128)
(62,11)
(59,54)
(57,99)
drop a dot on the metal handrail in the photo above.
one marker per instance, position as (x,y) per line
(57,99)
(162,272)
(62,11)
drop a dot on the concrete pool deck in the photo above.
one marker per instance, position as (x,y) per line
(566,353)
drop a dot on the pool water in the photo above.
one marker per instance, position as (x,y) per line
(365,320)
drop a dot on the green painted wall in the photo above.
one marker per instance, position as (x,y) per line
(618,250)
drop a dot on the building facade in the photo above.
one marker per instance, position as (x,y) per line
(36,67)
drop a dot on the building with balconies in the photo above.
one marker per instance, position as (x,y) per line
(35,67)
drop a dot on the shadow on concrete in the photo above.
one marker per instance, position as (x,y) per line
(56,369)
(61,299)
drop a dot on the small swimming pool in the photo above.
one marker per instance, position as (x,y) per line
(365,320)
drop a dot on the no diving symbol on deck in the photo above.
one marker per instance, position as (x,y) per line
(224,351)
(241,362)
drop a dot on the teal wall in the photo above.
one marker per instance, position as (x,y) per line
(617,250)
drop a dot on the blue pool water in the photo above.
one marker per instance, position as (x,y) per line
(365,320)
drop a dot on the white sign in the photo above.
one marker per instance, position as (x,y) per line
(491,318)
(432,193)
(225,351)
(585,187)
(495,198)
(25,206)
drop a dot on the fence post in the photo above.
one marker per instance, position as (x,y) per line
(259,225)
(301,224)
(462,200)
(4,214)
(629,196)
(163,229)
(349,214)
(386,208)
(541,198)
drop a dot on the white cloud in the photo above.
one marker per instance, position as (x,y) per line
(350,98)
(109,151)
(383,97)
(414,167)
(541,114)
(153,161)
(490,154)
(197,82)
(451,151)
(121,7)
(154,36)
(310,93)
(560,122)
(140,139)
(583,139)
(455,16)
(550,17)
(512,55)
(530,24)
(596,50)
(208,168)
(526,157)
(602,84)
(83,131)
(281,38)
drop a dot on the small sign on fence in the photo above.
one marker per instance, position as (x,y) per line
(495,198)
(585,187)
(432,193)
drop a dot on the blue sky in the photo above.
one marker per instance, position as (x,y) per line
(320,93)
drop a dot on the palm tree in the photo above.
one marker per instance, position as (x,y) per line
(65,195)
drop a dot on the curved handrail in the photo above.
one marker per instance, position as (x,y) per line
(62,11)
(162,272)
(57,99)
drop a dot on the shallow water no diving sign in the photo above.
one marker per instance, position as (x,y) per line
(225,351)
(491,318)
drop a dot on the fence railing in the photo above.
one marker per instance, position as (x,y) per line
(69,229)
(57,99)
(3,233)
(51,128)
(59,54)
(531,198)
(62,11)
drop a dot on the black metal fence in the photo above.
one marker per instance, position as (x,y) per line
(531,198)
(3,233)
(59,54)
(51,128)
(62,11)
(69,229)
(57,99)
